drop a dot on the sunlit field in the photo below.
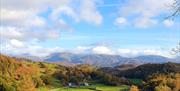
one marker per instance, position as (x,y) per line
(98,87)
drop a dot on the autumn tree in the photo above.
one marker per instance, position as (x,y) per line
(26,84)
(163,82)
(134,88)
(162,88)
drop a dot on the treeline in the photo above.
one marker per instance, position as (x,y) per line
(86,73)
(143,71)
(159,82)
(156,77)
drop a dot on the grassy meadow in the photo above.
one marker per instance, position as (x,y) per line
(97,87)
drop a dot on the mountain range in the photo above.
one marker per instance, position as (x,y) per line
(105,60)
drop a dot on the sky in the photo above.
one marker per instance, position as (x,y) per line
(112,27)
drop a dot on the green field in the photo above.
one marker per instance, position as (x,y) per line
(98,87)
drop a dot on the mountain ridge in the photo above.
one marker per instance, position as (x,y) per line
(101,60)
(107,60)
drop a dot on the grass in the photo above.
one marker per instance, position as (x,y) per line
(43,89)
(97,87)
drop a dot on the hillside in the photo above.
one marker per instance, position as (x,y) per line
(18,75)
(24,75)
(143,71)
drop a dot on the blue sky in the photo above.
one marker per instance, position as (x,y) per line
(121,27)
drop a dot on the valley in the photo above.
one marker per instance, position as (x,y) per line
(18,74)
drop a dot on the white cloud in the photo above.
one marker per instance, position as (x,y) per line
(82,49)
(13,15)
(36,21)
(61,24)
(41,51)
(144,12)
(22,26)
(57,12)
(120,21)
(152,51)
(168,23)
(21,20)
(89,12)
(85,11)
(10,33)
(102,50)
(16,43)
(18,48)
(127,52)
(144,22)
(137,52)
(124,51)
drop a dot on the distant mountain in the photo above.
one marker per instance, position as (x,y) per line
(92,59)
(105,60)
(59,57)
(153,59)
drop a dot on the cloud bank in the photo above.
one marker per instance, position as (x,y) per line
(23,25)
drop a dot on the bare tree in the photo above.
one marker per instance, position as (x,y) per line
(176,9)
(176,13)
(176,50)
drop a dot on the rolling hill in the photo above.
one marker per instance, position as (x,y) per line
(142,71)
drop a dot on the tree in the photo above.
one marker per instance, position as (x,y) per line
(176,82)
(176,50)
(134,88)
(47,79)
(176,9)
(26,84)
(162,88)
(176,12)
